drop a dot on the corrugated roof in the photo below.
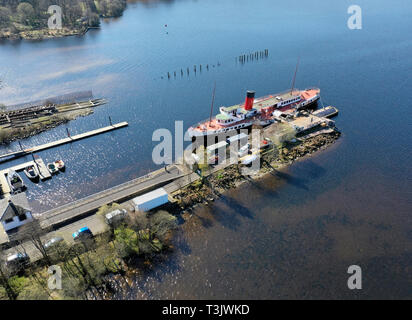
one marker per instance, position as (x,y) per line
(150,196)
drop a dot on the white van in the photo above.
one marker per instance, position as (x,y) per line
(244,150)
(115,216)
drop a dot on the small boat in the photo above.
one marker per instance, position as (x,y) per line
(31,172)
(59,164)
(52,168)
(15,181)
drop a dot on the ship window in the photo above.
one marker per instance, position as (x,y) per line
(9,220)
(22,217)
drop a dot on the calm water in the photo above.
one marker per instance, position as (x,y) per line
(292,236)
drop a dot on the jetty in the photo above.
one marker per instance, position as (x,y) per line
(24,116)
(38,163)
(69,139)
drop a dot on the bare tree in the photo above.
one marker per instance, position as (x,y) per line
(33,233)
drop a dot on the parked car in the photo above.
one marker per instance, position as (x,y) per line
(244,150)
(52,242)
(115,216)
(83,234)
(17,261)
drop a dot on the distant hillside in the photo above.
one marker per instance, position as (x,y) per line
(28,18)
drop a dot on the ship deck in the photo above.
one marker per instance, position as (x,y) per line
(267,101)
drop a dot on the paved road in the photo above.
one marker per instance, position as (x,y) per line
(116,194)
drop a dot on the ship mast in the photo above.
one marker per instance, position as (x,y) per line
(211,107)
(294,77)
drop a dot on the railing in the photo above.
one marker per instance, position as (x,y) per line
(95,196)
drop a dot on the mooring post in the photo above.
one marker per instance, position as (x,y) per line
(168,75)
(110,120)
(68,133)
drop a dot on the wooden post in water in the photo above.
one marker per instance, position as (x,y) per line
(110,120)
(35,162)
(68,133)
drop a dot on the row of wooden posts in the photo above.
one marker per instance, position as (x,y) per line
(253,56)
(242,59)
(196,68)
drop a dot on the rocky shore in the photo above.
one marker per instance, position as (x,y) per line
(8,135)
(211,187)
(42,34)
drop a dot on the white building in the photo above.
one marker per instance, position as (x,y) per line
(151,200)
(13,215)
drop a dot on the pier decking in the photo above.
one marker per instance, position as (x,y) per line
(38,163)
(64,141)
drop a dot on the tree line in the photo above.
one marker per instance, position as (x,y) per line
(18,15)
(98,268)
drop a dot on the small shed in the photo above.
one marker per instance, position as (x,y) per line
(151,200)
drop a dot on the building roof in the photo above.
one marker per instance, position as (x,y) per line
(16,205)
(11,211)
(150,196)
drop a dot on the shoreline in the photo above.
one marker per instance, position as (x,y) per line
(28,122)
(55,121)
(44,34)
(202,193)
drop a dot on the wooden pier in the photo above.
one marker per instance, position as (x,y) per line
(39,165)
(69,139)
